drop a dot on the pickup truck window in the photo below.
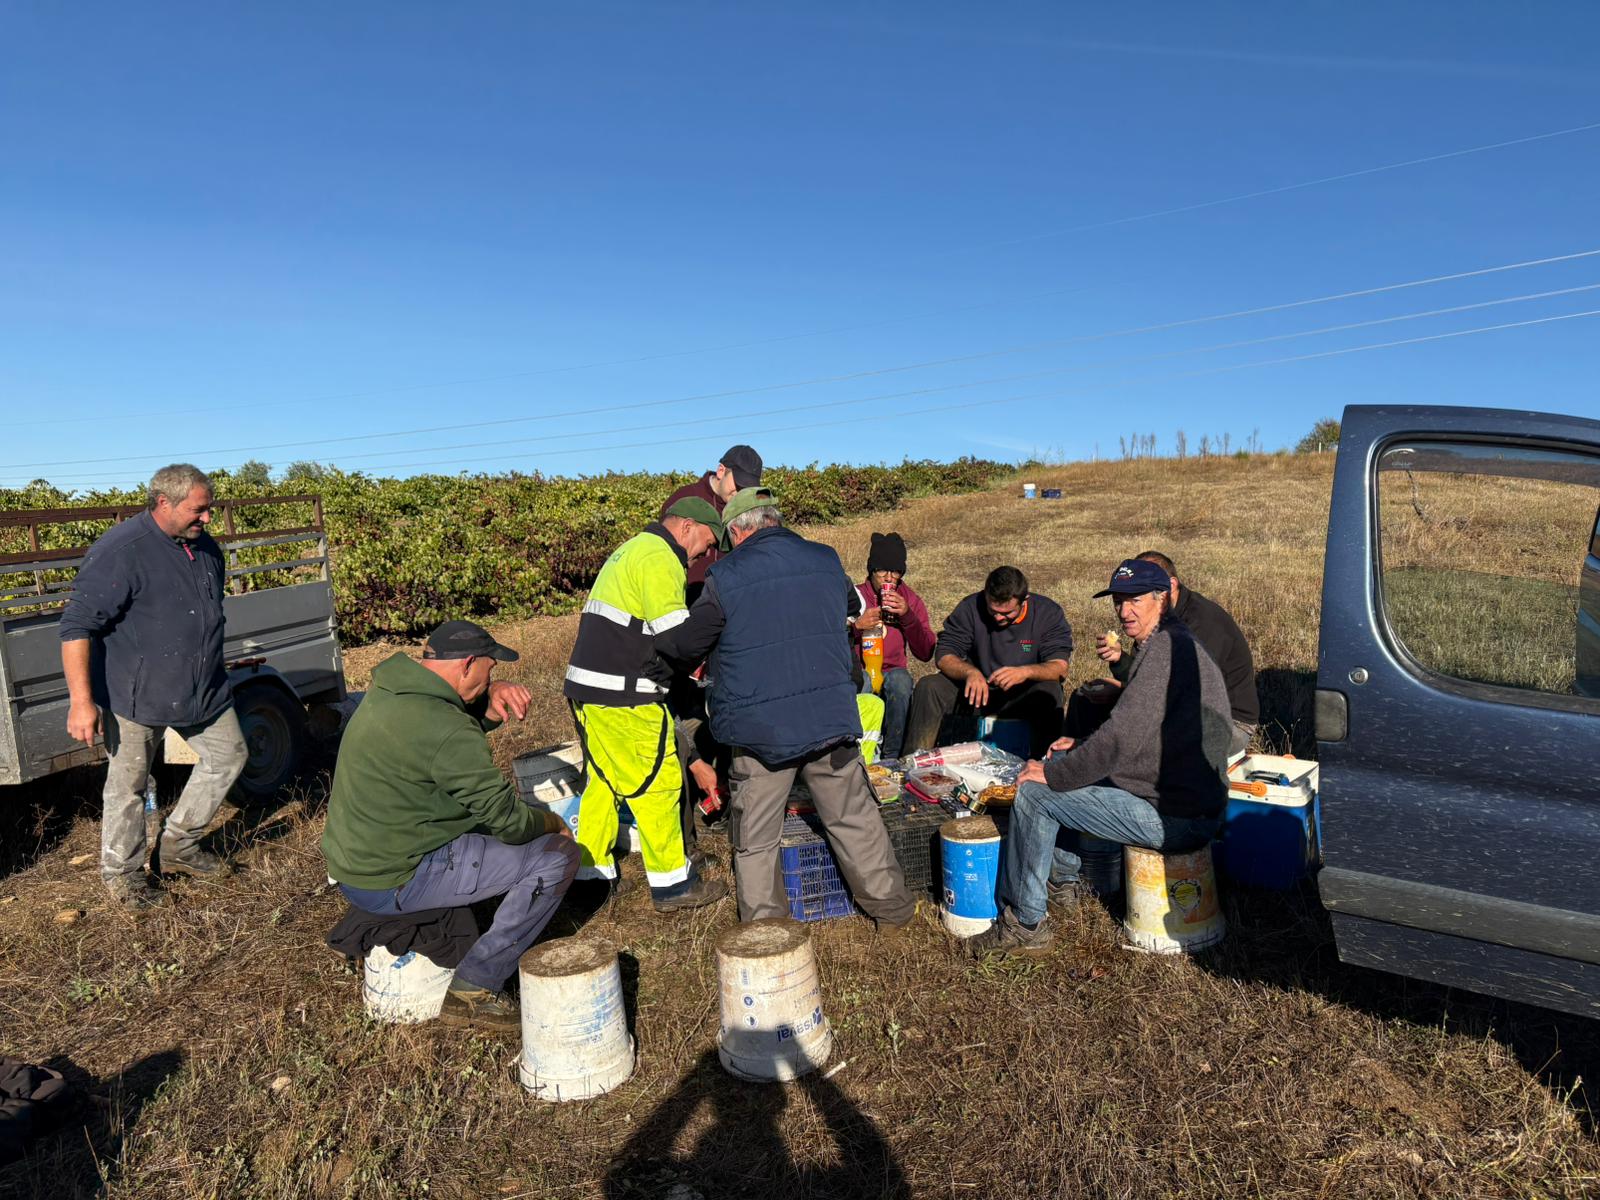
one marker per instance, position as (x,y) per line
(1486,564)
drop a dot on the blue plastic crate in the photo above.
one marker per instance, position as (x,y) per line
(810,876)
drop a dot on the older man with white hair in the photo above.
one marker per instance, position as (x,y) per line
(773,619)
(149,593)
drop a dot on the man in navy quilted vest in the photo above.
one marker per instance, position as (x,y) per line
(773,618)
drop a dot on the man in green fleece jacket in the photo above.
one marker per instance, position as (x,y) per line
(421,818)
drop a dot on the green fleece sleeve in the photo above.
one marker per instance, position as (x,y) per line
(464,769)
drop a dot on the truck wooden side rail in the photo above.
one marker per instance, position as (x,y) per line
(281,638)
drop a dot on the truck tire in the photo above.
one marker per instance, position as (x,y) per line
(274,729)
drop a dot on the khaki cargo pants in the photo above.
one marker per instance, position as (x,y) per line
(131,747)
(837,780)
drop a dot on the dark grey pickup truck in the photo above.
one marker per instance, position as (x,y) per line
(1458,701)
(281,639)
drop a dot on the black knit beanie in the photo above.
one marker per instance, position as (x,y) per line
(888,553)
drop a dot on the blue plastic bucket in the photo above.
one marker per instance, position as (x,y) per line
(969,850)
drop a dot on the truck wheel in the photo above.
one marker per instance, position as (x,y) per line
(274,729)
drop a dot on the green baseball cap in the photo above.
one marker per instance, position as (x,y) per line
(740,503)
(693,508)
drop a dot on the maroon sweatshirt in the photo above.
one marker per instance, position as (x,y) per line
(913,631)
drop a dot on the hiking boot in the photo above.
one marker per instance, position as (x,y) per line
(702,892)
(1010,936)
(201,864)
(474,1007)
(136,891)
(1064,896)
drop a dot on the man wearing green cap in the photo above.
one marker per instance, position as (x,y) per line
(630,752)
(773,619)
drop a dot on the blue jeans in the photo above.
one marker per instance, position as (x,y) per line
(532,878)
(1099,811)
(896,696)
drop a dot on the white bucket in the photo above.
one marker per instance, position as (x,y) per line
(552,778)
(575,1040)
(405,989)
(772,1022)
(1171,901)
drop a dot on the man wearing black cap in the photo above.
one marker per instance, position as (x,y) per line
(420,817)
(740,468)
(1154,775)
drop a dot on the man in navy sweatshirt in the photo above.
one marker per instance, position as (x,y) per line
(149,593)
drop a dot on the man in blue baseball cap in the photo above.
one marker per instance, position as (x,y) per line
(1154,775)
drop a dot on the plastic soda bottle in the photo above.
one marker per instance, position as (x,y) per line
(872,656)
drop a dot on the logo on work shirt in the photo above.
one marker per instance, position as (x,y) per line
(1027,644)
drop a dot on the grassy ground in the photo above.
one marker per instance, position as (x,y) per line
(224,1054)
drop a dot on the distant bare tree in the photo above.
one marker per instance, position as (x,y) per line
(1181,442)
(1123,442)
(1226,439)
(1205,445)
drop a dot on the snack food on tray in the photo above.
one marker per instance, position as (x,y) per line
(998,795)
(885,782)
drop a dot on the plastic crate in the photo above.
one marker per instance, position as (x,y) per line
(810,876)
(914,835)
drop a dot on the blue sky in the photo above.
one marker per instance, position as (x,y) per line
(272,231)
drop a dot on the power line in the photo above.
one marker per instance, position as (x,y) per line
(1082,228)
(1054,343)
(1288,187)
(1121,362)
(874,415)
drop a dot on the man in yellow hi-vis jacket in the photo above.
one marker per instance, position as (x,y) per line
(629,747)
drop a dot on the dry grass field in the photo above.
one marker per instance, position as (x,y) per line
(223,1053)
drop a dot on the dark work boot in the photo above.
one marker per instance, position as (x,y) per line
(201,864)
(136,891)
(478,1008)
(701,893)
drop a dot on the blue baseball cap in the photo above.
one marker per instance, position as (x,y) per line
(1135,577)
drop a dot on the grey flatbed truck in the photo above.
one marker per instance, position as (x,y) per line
(281,637)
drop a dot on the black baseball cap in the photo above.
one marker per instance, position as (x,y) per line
(463,639)
(1135,577)
(745,464)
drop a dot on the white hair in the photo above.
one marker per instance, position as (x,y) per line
(757,518)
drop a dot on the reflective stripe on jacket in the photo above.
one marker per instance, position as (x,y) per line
(639,594)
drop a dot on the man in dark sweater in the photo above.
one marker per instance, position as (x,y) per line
(1218,635)
(149,595)
(1153,775)
(1002,653)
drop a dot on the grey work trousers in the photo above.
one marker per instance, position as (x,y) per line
(837,779)
(131,746)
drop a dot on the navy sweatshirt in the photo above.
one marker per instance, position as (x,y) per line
(154,603)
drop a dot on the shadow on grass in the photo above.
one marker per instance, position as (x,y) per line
(1285,940)
(35,817)
(1288,701)
(743,1152)
(80,1158)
